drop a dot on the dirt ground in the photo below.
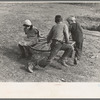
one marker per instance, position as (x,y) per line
(42,15)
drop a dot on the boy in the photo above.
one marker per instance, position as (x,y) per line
(57,35)
(77,36)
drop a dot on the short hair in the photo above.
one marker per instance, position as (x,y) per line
(58,18)
(71,18)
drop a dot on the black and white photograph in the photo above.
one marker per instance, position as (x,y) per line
(49,42)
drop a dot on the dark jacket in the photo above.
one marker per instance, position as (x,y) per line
(76,32)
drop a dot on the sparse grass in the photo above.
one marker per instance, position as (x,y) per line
(42,16)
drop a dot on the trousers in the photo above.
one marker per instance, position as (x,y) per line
(56,46)
(78,49)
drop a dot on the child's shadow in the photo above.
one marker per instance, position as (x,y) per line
(13,53)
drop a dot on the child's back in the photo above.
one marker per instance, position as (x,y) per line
(76,31)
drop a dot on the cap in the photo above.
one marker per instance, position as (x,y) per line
(27,22)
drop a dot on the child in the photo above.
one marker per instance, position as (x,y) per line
(77,36)
(57,35)
(31,39)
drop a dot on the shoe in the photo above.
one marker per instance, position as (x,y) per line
(30,67)
(75,61)
(63,62)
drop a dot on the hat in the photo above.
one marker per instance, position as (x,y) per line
(27,22)
(72,18)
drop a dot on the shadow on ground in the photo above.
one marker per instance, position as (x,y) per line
(13,53)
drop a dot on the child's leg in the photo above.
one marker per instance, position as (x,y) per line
(78,50)
(55,47)
(68,51)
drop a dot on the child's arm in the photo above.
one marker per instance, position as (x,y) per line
(66,34)
(37,32)
(50,35)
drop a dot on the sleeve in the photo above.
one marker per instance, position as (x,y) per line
(25,30)
(70,27)
(66,33)
(79,26)
(37,32)
(50,35)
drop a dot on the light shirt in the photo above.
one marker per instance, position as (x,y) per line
(59,32)
(31,37)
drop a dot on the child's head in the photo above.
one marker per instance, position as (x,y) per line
(27,23)
(71,19)
(58,18)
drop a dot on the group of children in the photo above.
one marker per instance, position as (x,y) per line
(58,38)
